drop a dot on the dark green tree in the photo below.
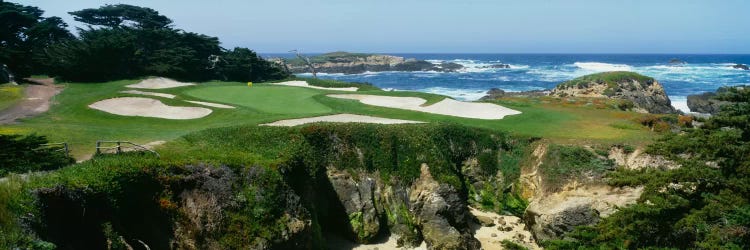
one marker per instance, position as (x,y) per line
(243,65)
(27,153)
(23,32)
(122,15)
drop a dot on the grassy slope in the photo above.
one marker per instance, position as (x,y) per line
(9,95)
(72,121)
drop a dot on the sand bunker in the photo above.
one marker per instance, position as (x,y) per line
(211,104)
(158,83)
(147,107)
(339,118)
(138,92)
(487,111)
(304,84)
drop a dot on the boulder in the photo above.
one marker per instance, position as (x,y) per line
(740,66)
(551,216)
(646,93)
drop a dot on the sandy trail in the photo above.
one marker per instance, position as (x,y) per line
(304,84)
(486,111)
(36,101)
(138,92)
(339,118)
(158,83)
(147,107)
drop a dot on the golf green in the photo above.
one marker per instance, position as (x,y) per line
(267,99)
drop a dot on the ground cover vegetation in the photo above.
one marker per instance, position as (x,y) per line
(703,204)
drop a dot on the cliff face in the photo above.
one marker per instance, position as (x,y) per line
(646,93)
(351,63)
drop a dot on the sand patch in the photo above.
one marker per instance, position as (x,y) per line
(147,107)
(487,111)
(138,92)
(158,83)
(339,118)
(304,84)
(506,227)
(211,104)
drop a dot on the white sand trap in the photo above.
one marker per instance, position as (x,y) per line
(211,104)
(304,84)
(158,83)
(138,92)
(147,107)
(447,106)
(339,118)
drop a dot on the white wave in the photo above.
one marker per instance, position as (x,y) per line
(460,94)
(602,67)
(680,103)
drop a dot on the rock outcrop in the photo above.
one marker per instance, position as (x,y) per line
(353,63)
(708,103)
(551,216)
(675,61)
(645,92)
(441,213)
(495,93)
(741,66)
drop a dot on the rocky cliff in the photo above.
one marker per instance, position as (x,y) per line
(709,103)
(646,94)
(582,200)
(354,63)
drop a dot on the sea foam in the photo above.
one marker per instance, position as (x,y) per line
(602,67)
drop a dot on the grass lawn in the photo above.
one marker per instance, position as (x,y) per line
(264,98)
(70,119)
(9,95)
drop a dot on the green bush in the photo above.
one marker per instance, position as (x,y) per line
(27,153)
(563,164)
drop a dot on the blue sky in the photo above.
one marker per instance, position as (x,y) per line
(454,26)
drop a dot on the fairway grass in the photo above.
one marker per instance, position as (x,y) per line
(267,99)
(71,120)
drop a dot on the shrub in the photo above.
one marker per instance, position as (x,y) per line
(28,153)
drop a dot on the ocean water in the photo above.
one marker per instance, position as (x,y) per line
(701,73)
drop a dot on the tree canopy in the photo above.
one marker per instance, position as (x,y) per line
(122,15)
(23,33)
(120,42)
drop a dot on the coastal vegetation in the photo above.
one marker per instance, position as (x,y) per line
(579,166)
(703,204)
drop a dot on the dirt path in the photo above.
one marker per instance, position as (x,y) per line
(36,101)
